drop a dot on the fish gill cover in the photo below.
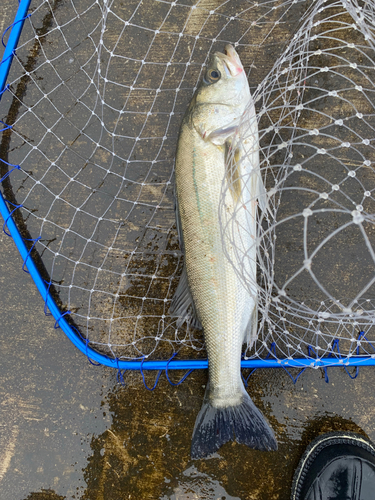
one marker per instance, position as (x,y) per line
(95,97)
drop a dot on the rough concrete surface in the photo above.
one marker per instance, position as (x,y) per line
(70,430)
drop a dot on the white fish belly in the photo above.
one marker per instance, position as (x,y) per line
(223,305)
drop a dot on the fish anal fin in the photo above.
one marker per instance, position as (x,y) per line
(251,331)
(182,305)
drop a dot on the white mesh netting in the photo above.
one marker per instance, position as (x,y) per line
(97,91)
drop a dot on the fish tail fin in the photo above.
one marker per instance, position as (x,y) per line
(243,423)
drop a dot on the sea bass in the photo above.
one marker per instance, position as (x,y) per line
(210,295)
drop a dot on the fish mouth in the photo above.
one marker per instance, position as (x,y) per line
(231,60)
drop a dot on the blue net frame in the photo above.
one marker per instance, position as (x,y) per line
(7,209)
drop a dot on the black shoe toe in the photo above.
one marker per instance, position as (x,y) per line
(336,466)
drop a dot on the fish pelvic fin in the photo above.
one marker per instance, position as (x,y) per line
(242,423)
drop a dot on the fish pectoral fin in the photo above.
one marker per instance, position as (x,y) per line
(215,122)
(221,135)
(182,305)
(233,170)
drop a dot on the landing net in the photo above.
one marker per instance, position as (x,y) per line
(91,111)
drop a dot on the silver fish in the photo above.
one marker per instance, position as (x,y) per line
(210,294)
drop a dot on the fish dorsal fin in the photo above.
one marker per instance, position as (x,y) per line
(182,305)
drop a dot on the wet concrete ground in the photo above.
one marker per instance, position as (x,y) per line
(70,430)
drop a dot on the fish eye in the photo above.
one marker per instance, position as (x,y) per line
(212,76)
